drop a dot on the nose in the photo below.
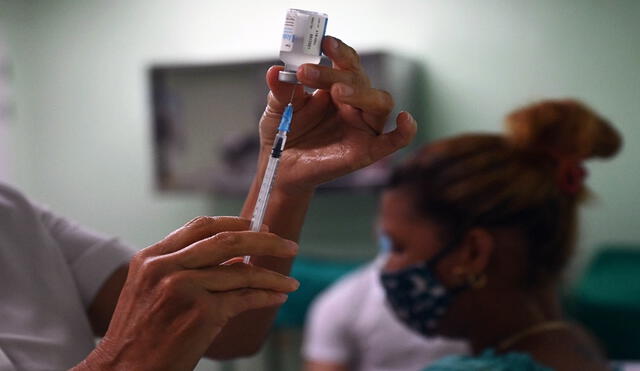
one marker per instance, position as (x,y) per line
(393,264)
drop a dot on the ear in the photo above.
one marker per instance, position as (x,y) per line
(476,251)
(470,259)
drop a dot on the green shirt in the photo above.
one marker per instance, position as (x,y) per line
(488,361)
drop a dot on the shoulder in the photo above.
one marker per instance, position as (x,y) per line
(15,207)
(337,308)
(349,289)
(11,198)
(328,334)
(568,350)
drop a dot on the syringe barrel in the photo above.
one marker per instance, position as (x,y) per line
(278,144)
(265,193)
(268,180)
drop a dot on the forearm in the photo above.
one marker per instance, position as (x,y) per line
(285,217)
(287,208)
(285,214)
(245,334)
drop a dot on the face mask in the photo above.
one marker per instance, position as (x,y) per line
(417,297)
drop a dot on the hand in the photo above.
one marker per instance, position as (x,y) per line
(180,292)
(337,129)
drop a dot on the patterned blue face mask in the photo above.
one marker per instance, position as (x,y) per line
(417,297)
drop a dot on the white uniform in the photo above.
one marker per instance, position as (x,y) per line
(351,324)
(50,271)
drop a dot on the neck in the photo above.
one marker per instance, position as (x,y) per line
(516,311)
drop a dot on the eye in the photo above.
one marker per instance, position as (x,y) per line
(397,248)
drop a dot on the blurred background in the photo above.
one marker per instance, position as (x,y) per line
(77,109)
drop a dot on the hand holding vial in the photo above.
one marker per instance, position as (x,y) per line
(335,130)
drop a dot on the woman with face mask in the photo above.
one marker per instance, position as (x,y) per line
(482,227)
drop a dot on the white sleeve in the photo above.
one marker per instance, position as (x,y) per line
(326,337)
(92,257)
(329,334)
(5,363)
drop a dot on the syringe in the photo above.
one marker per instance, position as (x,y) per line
(270,173)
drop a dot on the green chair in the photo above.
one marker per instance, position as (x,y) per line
(607,300)
(314,276)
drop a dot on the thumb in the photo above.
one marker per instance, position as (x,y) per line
(281,92)
(405,131)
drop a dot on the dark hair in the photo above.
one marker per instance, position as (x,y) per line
(529,179)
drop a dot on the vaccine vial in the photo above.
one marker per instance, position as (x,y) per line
(301,41)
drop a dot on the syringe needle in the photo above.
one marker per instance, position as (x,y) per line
(293,92)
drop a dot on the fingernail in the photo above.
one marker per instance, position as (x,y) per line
(295,283)
(311,73)
(411,119)
(345,90)
(293,246)
(333,43)
(282,297)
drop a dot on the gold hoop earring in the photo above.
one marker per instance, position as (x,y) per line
(477,281)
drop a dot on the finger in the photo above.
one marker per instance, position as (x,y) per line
(374,101)
(388,143)
(317,107)
(314,109)
(375,104)
(223,246)
(342,55)
(197,229)
(280,92)
(239,276)
(322,77)
(234,302)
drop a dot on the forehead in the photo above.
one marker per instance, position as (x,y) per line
(398,215)
(396,205)
(414,238)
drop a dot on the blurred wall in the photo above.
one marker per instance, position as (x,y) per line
(80,137)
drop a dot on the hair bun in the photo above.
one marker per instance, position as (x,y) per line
(563,128)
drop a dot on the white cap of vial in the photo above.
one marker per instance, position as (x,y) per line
(288,76)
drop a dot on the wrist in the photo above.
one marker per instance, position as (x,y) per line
(97,360)
(283,185)
(292,194)
(110,355)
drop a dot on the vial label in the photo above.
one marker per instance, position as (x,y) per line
(288,35)
(313,35)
